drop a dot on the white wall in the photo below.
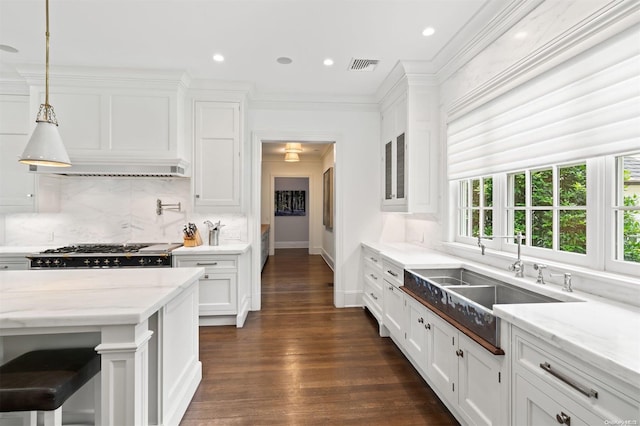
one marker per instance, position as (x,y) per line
(356,132)
(292,231)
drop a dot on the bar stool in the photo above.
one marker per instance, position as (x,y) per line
(42,380)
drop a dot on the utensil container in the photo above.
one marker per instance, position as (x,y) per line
(214,237)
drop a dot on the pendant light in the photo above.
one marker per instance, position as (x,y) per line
(291,152)
(45,148)
(291,157)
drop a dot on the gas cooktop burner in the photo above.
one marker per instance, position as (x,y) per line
(98,248)
(105,256)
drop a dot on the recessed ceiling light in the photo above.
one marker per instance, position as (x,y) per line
(284,60)
(218,57)
(328,62)
(520,35)
(428,31)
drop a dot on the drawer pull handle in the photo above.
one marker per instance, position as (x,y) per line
(374,296)
(421,320)
(207,263)
(460,353)
(390,272)
(373,276)
(563,419)
(374,259)
(5,266)
(206,276)
(427,326)
(391,287)
(568,380)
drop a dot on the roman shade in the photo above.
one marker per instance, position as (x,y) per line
(585,107)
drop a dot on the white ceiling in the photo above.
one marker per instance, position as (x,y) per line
(251,34)
(311,151)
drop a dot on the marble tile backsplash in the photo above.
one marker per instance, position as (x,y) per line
(116,210)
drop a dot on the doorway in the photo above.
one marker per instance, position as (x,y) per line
(318,154)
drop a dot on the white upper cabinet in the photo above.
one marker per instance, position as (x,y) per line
(410,135)
(17,185)
(217,155)
(134,118)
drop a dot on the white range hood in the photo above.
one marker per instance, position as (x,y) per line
(135,168)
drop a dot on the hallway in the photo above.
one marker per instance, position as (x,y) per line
(300,361)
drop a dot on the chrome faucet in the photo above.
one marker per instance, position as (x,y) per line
(539,267)
(518,265)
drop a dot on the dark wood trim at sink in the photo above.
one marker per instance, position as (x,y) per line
(479,340)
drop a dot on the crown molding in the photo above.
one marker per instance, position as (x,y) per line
(313,102)
(106,77)
(470,42)
(608,21)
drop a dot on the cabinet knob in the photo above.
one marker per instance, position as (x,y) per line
(391,287)
(5,266)
(29,195)
(197,195)
(421,320)
(460,353)
(206,276)
(563,419)
(427,326)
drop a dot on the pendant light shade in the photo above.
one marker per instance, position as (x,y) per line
(45,148)
(293,147)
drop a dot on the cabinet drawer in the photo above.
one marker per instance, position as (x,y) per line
(393,273)
(534,358)
(371,259)
(211,264)
(372,298)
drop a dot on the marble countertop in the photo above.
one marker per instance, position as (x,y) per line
(602,332)
(22,250)
(237,248)
(88,297)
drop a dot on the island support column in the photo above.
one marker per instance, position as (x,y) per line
(125,374)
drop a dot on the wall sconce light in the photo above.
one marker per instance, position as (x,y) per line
(291,157)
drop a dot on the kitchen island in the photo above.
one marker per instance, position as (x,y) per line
(143,322)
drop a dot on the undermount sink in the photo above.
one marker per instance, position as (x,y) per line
(468,297)
(488,296)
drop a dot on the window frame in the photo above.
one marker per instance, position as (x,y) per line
(600,210)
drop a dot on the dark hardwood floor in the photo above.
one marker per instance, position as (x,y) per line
(300,361)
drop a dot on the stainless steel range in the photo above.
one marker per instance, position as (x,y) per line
(143,255)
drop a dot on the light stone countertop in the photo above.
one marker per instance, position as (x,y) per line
(237,248)
(604,333)
(88,297)
(23,250)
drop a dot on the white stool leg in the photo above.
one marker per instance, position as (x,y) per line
(53,418)
(97,389)
(31,418)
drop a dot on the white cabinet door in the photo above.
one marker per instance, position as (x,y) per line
(218,295)
(416,326)
(442,366)
(393,306)
(217,154)
(534,407)
(394,149)
(17,185)
(479,383)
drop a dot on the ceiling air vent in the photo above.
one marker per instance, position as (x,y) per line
(363,64)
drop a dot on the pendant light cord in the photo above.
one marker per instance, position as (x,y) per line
(46,73)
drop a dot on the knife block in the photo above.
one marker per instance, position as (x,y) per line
(194,241)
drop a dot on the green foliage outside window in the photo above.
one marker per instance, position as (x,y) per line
(631,226)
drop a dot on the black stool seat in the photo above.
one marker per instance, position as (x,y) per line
(42,380)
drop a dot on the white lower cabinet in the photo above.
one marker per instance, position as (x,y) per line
(464,374)
(551,386)
(223,292)
(372,283)
(393,310)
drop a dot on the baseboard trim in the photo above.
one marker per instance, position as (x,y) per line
(291,244)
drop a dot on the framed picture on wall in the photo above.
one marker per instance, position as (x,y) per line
(290,203)
(327,193)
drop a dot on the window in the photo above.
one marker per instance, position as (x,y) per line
(549,206)
(476,207)
(627,208)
